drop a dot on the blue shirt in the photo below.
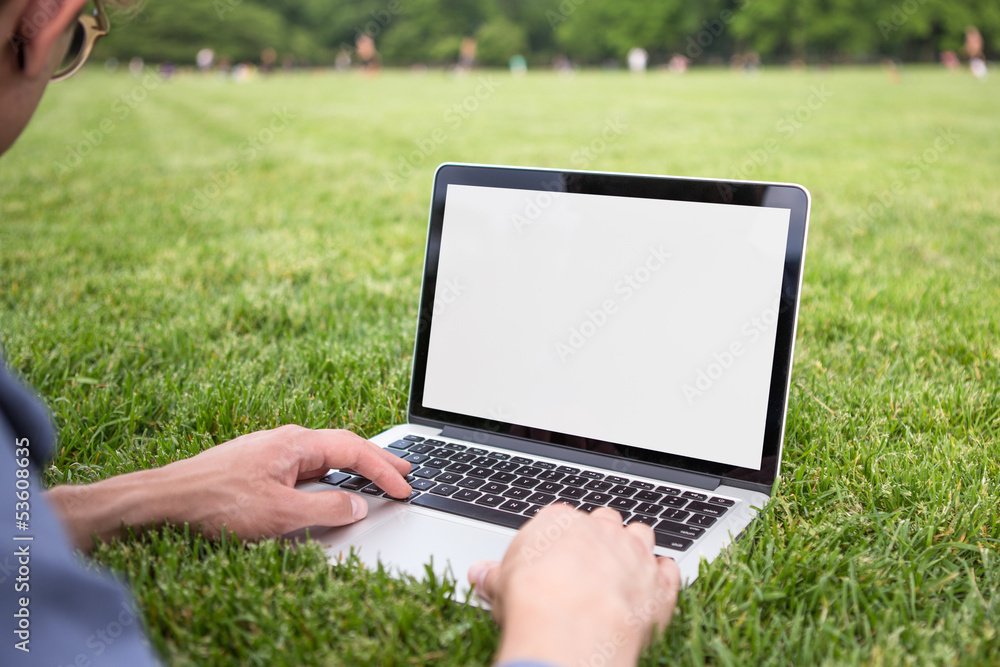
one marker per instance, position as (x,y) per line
(53,611)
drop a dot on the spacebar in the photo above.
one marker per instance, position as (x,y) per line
(486,514)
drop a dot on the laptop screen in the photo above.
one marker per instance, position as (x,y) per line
(646,322)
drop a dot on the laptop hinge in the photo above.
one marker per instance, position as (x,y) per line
(584,457)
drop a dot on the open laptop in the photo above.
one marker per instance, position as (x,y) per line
(593,338)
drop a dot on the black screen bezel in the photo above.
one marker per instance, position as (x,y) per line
(788,196)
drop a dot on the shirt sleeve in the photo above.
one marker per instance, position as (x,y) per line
(53,610)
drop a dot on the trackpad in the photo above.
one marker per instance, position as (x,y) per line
(409,540)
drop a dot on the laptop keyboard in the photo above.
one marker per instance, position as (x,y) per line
(507,490)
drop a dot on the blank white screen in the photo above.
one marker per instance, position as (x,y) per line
(643,322)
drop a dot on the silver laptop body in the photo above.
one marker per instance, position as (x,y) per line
(625,339)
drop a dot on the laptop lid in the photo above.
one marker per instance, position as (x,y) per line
(642,323)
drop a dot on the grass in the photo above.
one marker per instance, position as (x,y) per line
(182,286)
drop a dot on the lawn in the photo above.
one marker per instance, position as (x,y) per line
(185,261)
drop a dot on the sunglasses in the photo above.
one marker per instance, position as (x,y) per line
(88,29)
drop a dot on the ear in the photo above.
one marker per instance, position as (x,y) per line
(41,25)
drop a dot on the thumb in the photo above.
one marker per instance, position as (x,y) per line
(329,508)
(484,575)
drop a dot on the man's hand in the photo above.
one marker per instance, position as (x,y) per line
(246,484)
(576,589)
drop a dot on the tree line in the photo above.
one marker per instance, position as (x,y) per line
(587,32)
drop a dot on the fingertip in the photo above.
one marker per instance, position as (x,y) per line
(479,578)
(359,508)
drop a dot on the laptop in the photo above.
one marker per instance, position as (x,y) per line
(598,339)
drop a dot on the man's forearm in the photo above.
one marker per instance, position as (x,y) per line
(102,507)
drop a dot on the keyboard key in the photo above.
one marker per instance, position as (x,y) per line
(641,518)
(436,462)
(498,455)
(544,465)
(461,468)
(541,498)
(462,457)
(589,507)
(484,461)
(493,487)
(466,495)
(599,498)
(335,478)
(701,520)
(571,492)
(531,511)
(621,490)
(491,501)
(422,448)
(568,470)
(645,486)
(549,487)
(691,532)
(422,484)
(372,490)
(448,478)
(567,501)
(674,501)
(414,438)
(590,474)
(401,444)
(622,504)
(396,452)
(706,508)
(676,515)
(355,483)
(503,477)
(471,483)
(520,460)
(476,451)
(413,494)
(516,506)
(444,489)
(526,482)
(668,490)
(669,541)
(648,508)
(517,493)
(694,496)
(455,445)
(575,480)
(436,443)
(528,471)
(506,466)
(596,485)
(480,472)
(415,458)
(616,480)
(427,473)
(722,501)
(476,510)
(648,496)
(550,476)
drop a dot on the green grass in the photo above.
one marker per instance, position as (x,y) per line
(157,321)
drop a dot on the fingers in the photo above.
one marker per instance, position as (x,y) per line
(670,582)
(343,449)
(484,575)
(325,508)
(643,533)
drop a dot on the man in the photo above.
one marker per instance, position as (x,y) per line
(52,604)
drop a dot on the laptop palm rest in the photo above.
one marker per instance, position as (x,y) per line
(410,538)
